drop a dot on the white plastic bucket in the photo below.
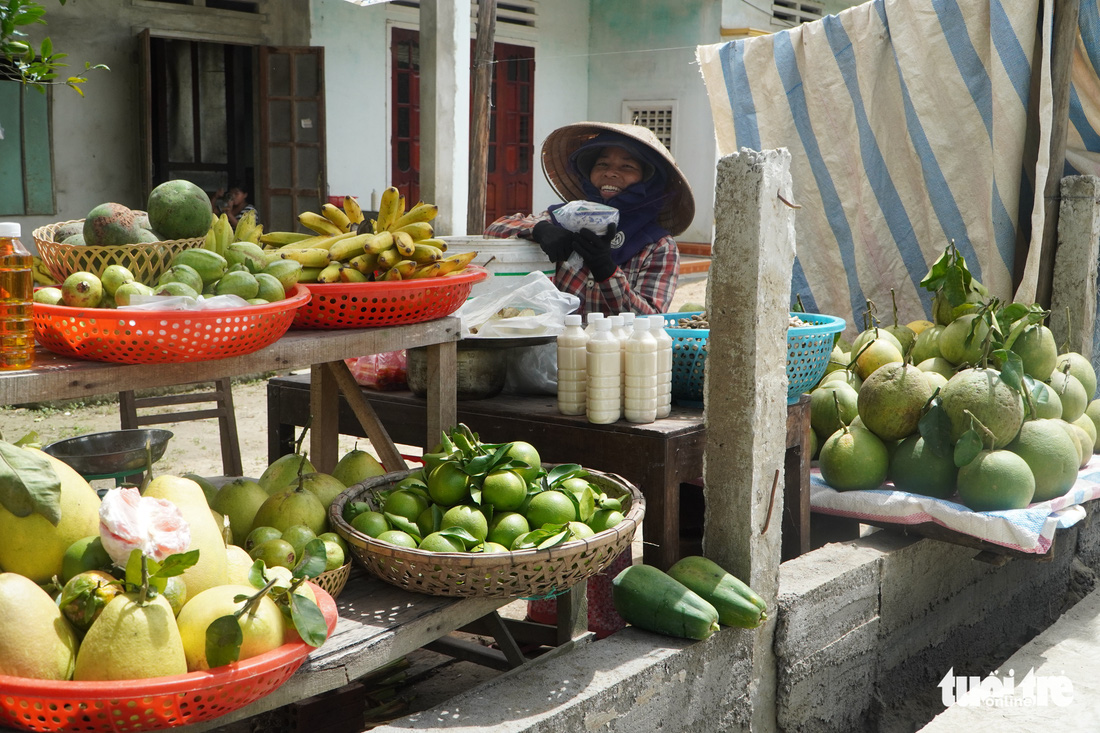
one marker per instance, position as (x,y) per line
(503,258)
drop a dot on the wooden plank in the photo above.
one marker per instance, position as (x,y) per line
(324,400)
(368,419)
(442,410)
(56,377)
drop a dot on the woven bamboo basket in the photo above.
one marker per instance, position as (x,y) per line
(517,574)
(146,260)
(333,581)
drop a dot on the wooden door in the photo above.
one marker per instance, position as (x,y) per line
(292,135)
(511,147)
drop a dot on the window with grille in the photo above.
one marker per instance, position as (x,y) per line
(240,6)
(657,116)
(788,13)
(510,12)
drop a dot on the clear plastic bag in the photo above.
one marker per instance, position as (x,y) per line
(530,306)
(384,371)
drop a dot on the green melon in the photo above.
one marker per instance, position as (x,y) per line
(111,225)
(179,210)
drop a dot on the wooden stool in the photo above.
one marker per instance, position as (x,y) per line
(222,396)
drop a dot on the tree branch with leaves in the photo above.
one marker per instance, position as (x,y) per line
(22,62)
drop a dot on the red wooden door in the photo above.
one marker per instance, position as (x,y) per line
(511,147)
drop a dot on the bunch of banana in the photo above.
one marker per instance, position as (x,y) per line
(345,247)
(220,235)
(41,273)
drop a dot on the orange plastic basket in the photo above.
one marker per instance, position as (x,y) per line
(164,337)
(361,305)
(155,703)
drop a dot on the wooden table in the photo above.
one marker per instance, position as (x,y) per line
(378,623)
(657,457)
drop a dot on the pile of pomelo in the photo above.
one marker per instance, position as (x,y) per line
(979,404)
(480,497)
(76,607)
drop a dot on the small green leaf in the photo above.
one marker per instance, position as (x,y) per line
(29,484)
(564,471)
(968,448)
(308,620)
(256,574)
(936,274)
(223,641)
(313,561)
(175,564)
(555,539)
(403,524)
(460,534)
(1012,369)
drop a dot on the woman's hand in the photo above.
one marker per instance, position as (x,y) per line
(596,252)
(556,242)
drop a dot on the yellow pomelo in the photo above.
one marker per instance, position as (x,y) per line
(263,627)
(872,334)
(935,380)
(905,336)
(878,352)
(1072,394)
(848,376)
(937,365)
(132,641)
(892,400)
(1051,455)
(1080,367)
(957,342)
(996,405)
(33,547)
(1037,351)
(853,459)
(919,325)
(927,344)
(996,480)
(1076,434)
(206,535)
(35,639)
(238,563)
(1085,423)
(916,469)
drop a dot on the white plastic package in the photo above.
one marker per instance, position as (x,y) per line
(577,215)
(528,306)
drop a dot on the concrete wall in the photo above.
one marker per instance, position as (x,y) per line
(864,631)
(97,138)
(644,50)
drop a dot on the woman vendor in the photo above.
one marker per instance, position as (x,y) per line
(633,267)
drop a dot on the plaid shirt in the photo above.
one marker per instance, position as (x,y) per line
(643,285)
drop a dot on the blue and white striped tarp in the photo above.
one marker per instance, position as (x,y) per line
(906,123)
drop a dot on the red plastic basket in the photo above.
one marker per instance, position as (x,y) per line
(155,703)
(362,305)
(164,337)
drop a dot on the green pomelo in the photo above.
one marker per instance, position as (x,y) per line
(847,376)
(292,506)
(283,471)
(1072,394)
(905,336)
(110,225)
(259,535)
(87,553)
(871,334)
(927,344)
(1051,455)
(179,209)
(916,469)
(935,380)
(506,526)
(324,486)
(982,392)
(996,480)
(1083,440)
(961,341)
(399,538)
(1036,348)
(356,466)
(1081,368)
(1093,413)
(1044,399)
(838,359)
(815,444)
(825,416)
(892,400)
(853,460)
(938,365)
(239,500)
(209,264)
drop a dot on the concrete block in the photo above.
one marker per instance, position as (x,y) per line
(1074,272)
(833,689)
(825,594)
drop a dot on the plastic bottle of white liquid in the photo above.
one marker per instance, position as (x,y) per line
(619,331)
(592,318)
(603,363)
(572,372)
(664,365)
(640,404)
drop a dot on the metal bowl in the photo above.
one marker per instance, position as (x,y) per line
(112,452)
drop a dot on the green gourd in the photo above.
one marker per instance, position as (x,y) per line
(737,604)
(652,600)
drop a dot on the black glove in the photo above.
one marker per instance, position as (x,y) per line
(556,242)
(596,251)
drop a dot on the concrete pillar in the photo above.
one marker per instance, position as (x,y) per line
(445,111)
(1074,277)
(748,302)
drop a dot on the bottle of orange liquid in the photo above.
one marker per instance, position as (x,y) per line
(16,300)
